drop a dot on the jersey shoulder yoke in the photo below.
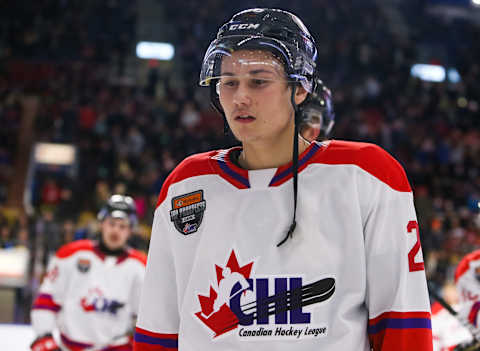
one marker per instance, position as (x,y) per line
(73,247)
(369,157)
(192,166)
(137,255)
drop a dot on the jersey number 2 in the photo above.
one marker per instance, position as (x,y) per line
(412,265)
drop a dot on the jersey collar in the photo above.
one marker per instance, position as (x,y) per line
(237,176)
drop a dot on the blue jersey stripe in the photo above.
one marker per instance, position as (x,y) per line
(301,162)
(170,343)
(400,323)
(224,166)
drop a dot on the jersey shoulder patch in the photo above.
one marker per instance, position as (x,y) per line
(71,248)
(369,157)
(192,166)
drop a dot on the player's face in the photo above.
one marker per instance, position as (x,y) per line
(256,97)
(115,232)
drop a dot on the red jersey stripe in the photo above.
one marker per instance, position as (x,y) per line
(156,335)
(69,249)
(193,166)
(402,339)
(369,157)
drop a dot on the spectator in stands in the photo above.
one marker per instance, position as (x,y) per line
(6,239)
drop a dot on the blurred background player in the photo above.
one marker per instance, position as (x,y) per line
(467,279)
(446,329)
(318,117)
(90,295)
(349,266)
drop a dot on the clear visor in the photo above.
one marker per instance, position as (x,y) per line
(253,69)
(245,57)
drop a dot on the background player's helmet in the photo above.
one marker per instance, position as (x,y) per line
(318,109)
(276,31)
(119,206)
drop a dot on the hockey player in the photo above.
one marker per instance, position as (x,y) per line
(90,294)
(467,279)
(447,330)
(318,117)
(325,235)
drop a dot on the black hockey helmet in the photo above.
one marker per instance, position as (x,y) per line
(318,109)
(119,206)
(279,32)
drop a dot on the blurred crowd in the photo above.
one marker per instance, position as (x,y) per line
(130,137)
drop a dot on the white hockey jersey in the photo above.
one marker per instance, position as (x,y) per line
(467,280)
(447,331)
(351,278)
(90,298)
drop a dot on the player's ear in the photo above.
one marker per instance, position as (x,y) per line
(300,94)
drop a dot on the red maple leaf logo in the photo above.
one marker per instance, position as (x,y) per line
(222,320)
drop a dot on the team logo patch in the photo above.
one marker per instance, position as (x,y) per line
(83,265)
(187,212)
(260,308)
(96,301)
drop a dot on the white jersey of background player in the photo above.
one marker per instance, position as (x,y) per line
(467,279)
(90,294)
(348,275)
(447,330)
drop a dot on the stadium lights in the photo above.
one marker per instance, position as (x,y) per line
(429,73)
(435,73)
(54,154)
(153,50)
(476,2)
(453,75)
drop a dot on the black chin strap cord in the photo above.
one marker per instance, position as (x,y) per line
(294,170)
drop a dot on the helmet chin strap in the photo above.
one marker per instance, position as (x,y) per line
(295,168)
(294,158)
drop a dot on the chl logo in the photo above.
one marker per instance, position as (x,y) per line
(96,302)
(244,26)
(242,300)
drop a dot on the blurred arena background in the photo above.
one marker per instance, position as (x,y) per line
(85,111)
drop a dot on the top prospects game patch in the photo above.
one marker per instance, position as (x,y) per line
(187,212)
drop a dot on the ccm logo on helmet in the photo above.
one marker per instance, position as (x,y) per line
(244,26)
